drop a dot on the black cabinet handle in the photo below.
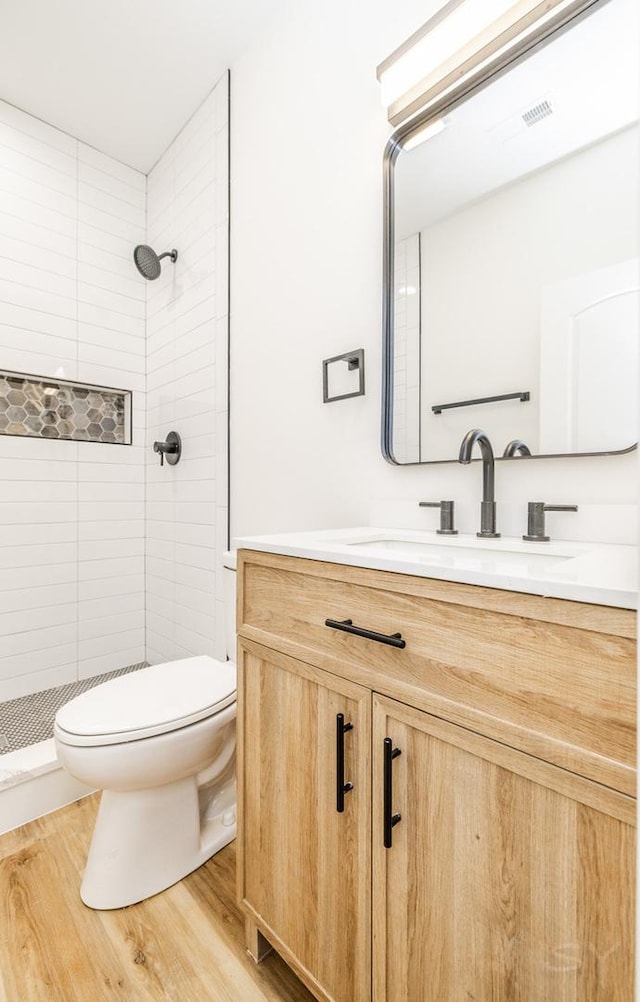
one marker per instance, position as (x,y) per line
(341,786)
(346,625)
(390,819)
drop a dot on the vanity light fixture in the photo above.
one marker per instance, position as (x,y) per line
(433,128)
(461,36)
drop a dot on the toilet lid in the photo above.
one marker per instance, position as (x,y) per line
(149,701)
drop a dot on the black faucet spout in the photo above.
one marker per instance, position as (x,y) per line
(488,504)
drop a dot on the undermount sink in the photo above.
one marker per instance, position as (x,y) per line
(485,555)
(598,573)
(450,554)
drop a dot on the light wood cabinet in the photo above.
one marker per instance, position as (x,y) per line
(305,866)
(504,882)
(510,875)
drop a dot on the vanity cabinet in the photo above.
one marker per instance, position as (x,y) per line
(509,877)
(506,880)
(305,865)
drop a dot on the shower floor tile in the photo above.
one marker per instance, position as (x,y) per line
(29,719)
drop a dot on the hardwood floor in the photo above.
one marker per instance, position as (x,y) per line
(184,945)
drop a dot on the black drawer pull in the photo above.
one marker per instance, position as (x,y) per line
(346,625)
(390,820)
(341,786)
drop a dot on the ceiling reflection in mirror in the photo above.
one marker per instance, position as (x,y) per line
(515,272)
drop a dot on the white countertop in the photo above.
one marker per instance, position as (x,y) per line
(598,573)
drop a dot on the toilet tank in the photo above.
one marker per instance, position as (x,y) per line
(229,562)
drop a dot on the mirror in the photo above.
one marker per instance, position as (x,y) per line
(512,253)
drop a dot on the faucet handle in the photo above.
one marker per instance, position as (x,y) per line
(446,516)
(535,519)
(171,448)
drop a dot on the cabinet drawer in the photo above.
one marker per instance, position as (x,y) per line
(554,678)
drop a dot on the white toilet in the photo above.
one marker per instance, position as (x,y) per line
(160,744)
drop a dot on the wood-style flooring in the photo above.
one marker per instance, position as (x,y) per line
(184,945)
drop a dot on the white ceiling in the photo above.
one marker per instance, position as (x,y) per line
(121,75)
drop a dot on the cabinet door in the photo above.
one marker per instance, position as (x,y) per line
(305,866)
(508,880)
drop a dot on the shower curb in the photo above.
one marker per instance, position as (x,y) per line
(33,783)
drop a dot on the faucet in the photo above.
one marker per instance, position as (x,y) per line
(515,446)
(488,505)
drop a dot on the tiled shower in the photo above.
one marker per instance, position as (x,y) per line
(187,380)
(108,560)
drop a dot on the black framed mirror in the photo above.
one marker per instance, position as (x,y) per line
(511,271)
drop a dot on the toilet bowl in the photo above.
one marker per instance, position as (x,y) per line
(160,743)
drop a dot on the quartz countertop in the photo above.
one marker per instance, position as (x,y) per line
(597,573)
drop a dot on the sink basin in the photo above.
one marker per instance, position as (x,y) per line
(485,556)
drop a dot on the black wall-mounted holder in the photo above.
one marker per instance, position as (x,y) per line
(522,395)
(171,448)
(354,360)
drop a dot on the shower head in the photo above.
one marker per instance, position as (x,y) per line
(148,262)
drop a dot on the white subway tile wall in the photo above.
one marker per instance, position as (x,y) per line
(187,364)
(74,599)
(111,351)
(71,514)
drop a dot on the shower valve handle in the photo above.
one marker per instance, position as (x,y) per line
(171,448)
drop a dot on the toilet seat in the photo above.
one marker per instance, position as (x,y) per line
(147,702)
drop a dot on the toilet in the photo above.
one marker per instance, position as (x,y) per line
(160,743)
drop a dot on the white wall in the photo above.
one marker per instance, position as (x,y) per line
(406,349)
(187,340)
(308,134)
(71,513)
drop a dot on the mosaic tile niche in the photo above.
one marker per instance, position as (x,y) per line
(38,407)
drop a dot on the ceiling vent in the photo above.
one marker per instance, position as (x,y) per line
(536,114)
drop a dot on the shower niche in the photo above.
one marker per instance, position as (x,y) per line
(40,407)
